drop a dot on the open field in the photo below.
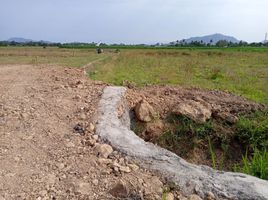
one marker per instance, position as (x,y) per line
(49,55)
(243,71)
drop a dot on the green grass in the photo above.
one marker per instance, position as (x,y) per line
(212,154)
(242,72)
(257,165)
(253,130)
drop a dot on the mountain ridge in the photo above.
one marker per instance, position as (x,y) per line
(211,39)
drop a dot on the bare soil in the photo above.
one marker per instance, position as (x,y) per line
(41,155)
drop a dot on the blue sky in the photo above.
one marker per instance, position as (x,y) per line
(132,21)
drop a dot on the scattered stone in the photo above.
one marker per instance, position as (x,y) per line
(119,191)
(78,128)
(91,127)
(69,144)
(60,165)
(104,161)
(95,181)
(133,167)
(169,196)
(90,142)
(144,111)
(210,196)
(103,150)
(83,116)
(83,188)
(194,197)
(125,169)
(95,137)
(194,110)
(77,97)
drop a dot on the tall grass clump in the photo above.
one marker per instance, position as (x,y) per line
(253,131)
(257,165)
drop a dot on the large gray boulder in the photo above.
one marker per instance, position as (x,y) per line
(189,178)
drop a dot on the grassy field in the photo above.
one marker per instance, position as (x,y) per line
(243,71)
(49,55)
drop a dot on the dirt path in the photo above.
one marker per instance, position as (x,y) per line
(42,157)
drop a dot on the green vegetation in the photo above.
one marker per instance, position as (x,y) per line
(242,72)
(216,138)
(253,130)
(257,165)
(212,154)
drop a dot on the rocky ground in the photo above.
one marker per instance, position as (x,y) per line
(48,149)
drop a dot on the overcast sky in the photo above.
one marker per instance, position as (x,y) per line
(132,21)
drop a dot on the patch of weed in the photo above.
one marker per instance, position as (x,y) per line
(256,165)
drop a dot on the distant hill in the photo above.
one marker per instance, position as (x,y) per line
(19,40)
(213,39)
(23,40)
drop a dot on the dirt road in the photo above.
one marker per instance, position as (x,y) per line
(42,156)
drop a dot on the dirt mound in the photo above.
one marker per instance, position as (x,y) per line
(193,118)
(165,98)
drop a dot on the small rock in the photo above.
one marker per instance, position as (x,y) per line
(95,137)
(78,128)
(42,193)
(210,196)
(226,116)
(125,169)
(194,110)
(77,97)
(83,116)
(169,196)
(121,168)
(91,127)
(103,150)
(90,142)
(69,144)
(119,191)
(133,167)
(60,165)
(83,188)
(95,182)
(194,197)
(144,111)
(104,161)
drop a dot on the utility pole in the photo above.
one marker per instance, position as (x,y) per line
(265,38)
